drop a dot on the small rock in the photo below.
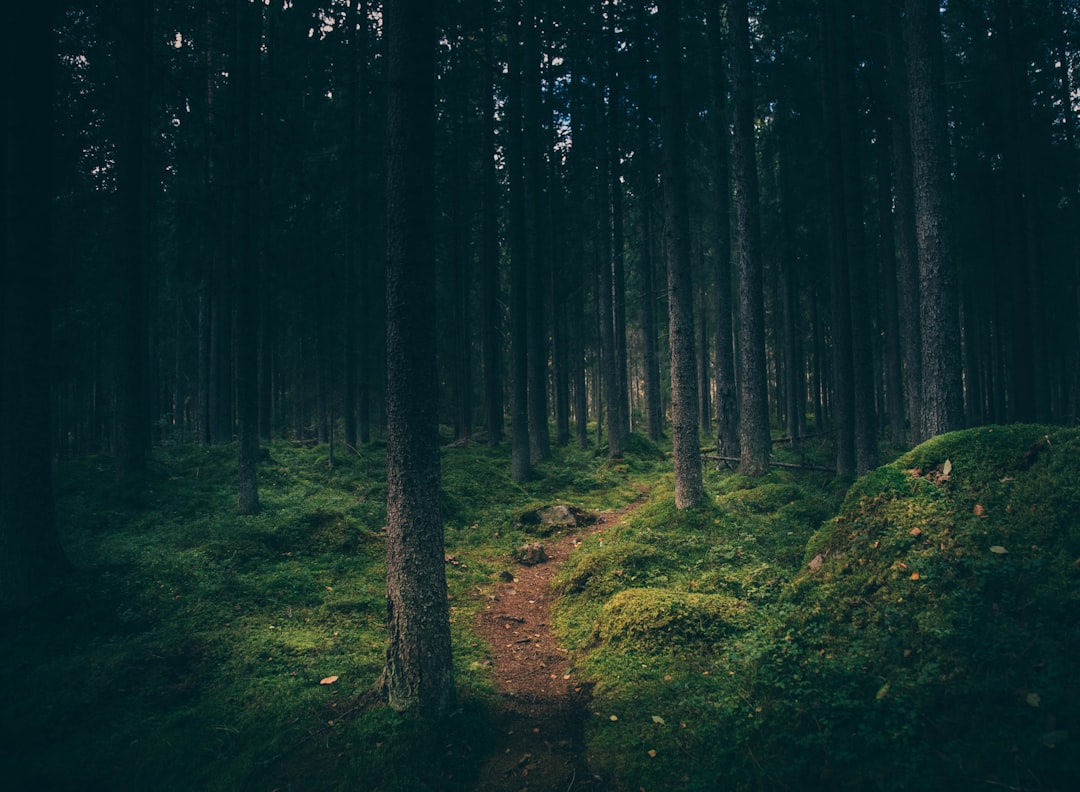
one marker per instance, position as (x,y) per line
(531,554)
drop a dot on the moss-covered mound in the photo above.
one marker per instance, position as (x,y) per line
(935,626)
(646,617)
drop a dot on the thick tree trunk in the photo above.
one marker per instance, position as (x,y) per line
(419,670)
(942,408)
(753,395)
(689,490)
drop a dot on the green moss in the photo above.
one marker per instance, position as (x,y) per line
(642,618)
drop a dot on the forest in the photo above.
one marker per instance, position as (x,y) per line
(312,311)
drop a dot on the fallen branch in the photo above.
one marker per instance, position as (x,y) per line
(788,465)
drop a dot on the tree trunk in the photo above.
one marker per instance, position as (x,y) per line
(904,226)
(843,392)
(490,314)
(689,489)
(862,358)
(753,395)
(536,317)
(605,290)
(943,404)
(245,253)
(419,670)
(727,406)
(133,422)
(520,446)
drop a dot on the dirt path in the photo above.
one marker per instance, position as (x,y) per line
(540,742)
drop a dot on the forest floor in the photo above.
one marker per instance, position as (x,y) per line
(542,706)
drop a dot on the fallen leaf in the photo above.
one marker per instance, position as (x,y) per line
(916,531)
(998,549)
(328,680)
(657,719)
(652,753)
(883,691)
(979,510)
(1033,699)
(816,561)
(946,469)
(914,575)
(614,718)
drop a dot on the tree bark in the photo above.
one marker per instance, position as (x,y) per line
(727,405)
(904,225)
(245,254)
(520,446)
(689,489)
(133,422)
(942,408)
(490,314)
(753,394)
(536,317)
(419,670)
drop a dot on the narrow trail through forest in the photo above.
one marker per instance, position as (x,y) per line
(540,723)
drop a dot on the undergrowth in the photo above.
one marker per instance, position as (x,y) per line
(187,650)
(926,637)
(918,630)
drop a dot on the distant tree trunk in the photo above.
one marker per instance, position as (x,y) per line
(753,394)
(539,435)
(890,305)
(605,290)
(356,23)
(904,226)
(942,407)
(862,357)
(794,388)
(520,446)
(219,281)
(843,391)
(654,408)
(727,406)
(689,489)
(701,340)
(490,314)
(133,422)
(419,669)
(30,552)
(618,259)
(245,253)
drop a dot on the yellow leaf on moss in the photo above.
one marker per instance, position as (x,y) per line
(328,680)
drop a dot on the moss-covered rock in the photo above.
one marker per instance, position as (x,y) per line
(646,618)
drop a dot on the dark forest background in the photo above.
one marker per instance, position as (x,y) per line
(216,179)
